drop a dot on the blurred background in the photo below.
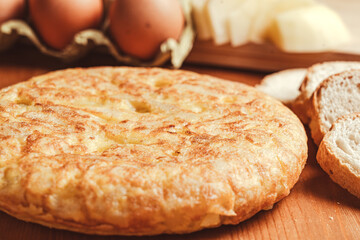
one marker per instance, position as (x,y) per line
(260,35)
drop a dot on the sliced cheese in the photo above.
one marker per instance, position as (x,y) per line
(240,21)
(218,12)
(264,15)
(309,29)
(201,19)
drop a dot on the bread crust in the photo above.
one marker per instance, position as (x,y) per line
(313,111)
(334,165)
(143,151)
(302,105)
(318,106)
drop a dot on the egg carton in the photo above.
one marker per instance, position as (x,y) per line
(97,40)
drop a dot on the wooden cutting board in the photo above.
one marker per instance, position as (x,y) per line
(266,57)
(317,208)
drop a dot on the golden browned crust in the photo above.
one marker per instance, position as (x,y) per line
(315,75)
(300,107)
(335,166)
(138,151)
(302,103)
(317,130)
(326,106)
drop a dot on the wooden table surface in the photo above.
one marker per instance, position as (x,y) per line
(317,208)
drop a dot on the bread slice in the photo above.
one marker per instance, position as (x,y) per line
(283,85)
(314,76)
(338,95)
(339,153)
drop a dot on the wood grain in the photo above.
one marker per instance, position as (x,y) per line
(317,208)
(265,57)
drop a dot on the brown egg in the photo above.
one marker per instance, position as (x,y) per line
(140,26)
(11,9)
(57,21)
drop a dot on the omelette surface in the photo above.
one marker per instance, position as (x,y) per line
(143,151)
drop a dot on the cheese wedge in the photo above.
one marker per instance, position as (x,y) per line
(309,29)
(285,5)
(267,11)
